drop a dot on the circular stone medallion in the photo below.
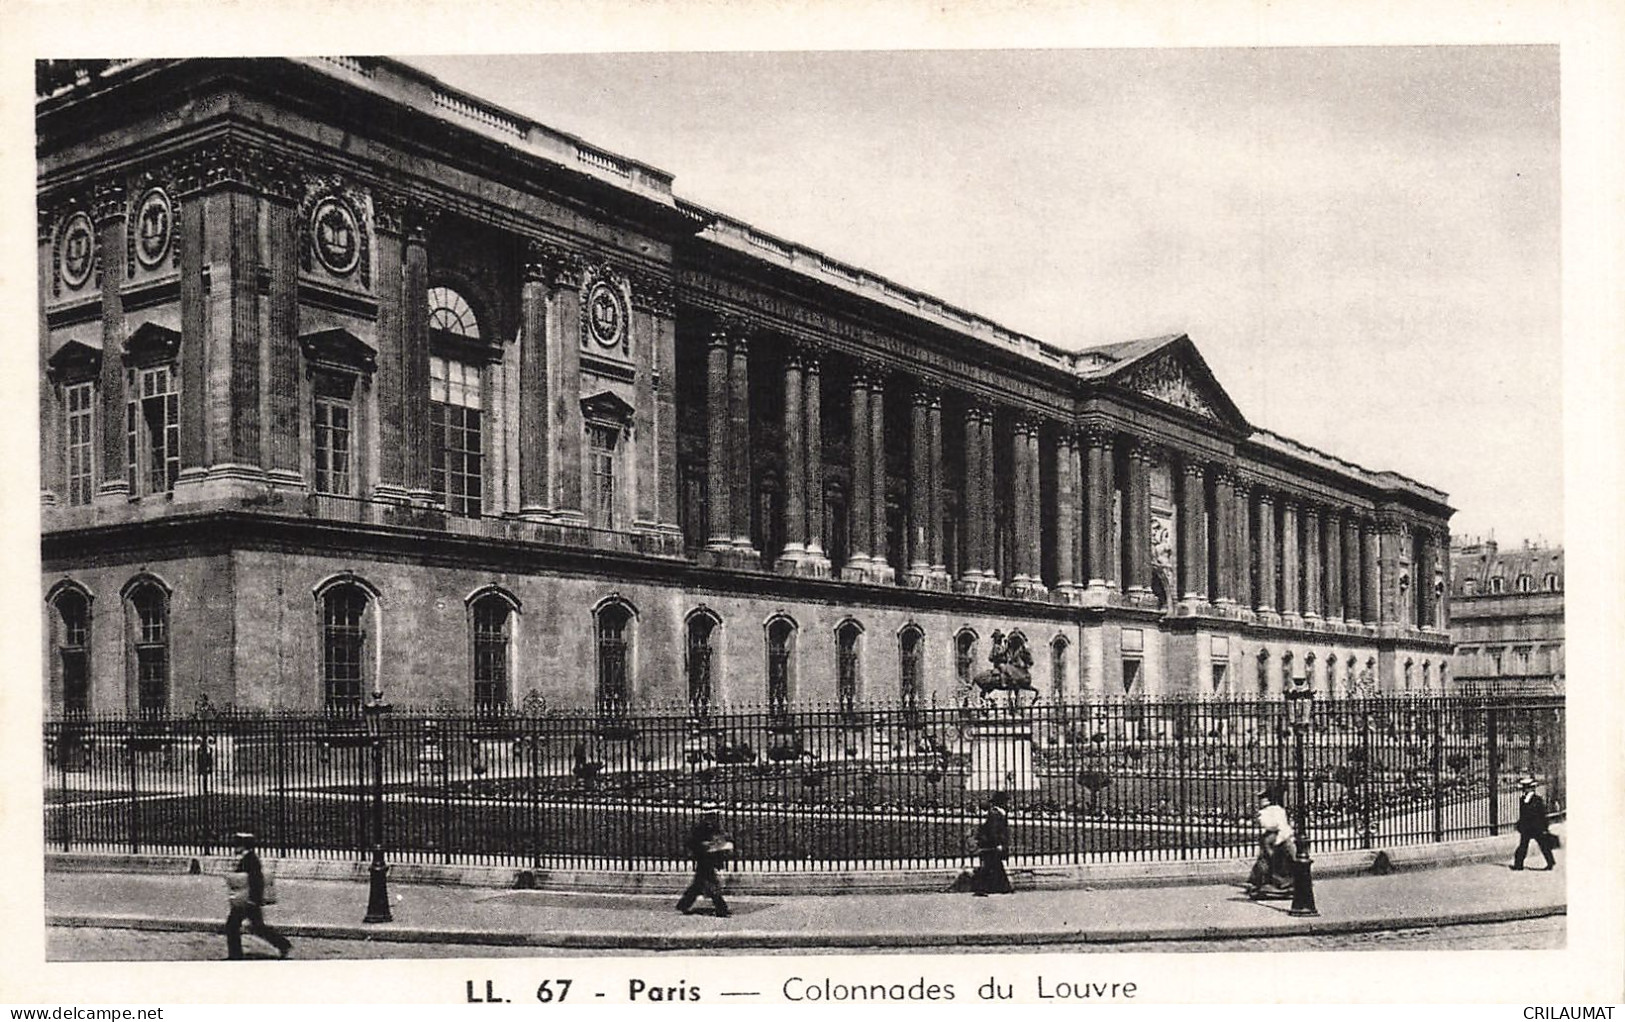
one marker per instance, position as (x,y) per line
(336,236)
(153,222)
(606,316)
(78,246)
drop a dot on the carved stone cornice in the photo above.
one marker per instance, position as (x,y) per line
(1265,495)
(238,163)
(1193,469)
(1098,436)
(107,202)
(811,355)
(654,295)
(534,268)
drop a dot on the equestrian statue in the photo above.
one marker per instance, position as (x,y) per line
(1011,671)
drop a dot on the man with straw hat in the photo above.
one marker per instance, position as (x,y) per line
(1532,824)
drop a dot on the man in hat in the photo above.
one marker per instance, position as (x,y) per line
(1532,824)
(249,903)
(709,847)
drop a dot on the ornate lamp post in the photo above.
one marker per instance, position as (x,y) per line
(378,875)
(1300,698)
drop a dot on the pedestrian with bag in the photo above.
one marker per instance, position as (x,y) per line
(992,840)
(709,846)
(1533,825)
(249,889)
(1274,871)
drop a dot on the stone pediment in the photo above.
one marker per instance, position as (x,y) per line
(1175,374)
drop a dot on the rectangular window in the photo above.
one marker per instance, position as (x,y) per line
(601,442)
(79,399)
(152,424)
(490,655)
(1131,675)
(332,441)
(455,435)
(152,678)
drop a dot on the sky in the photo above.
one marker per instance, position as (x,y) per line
(1363,242)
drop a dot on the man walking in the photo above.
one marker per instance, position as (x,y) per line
(709,847)
(248,902)
(1532,825)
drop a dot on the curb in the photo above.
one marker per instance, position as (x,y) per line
(1095,876)
(748,939)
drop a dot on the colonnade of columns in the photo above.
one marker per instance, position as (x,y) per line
(1242,544)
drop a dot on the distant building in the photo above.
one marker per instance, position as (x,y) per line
(1507,615)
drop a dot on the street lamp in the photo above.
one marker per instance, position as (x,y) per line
(1300,701)
(378,875)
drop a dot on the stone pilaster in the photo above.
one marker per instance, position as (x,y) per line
(53,481)
(109,223)
(564,386)
(934,503)
(1241,527)
(415,355)
(817,558)
(718,460)
(388,381)
(534,422)
(663,319)
(285,453)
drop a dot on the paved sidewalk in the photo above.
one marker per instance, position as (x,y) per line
(1471,893)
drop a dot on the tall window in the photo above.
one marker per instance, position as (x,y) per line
(601,444)
(1526,583)
(455,434)
(151,620)
(780,637)
(846,665)
(1497,585)
(614,683)
(80,401)
(153,430)
(700,691)
(910,642)
(73,650)
(493,643)
(1550,584)
(964,656)
(344,647)
(332,437)
(1057,667)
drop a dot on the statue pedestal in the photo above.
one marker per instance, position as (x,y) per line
(1001,755)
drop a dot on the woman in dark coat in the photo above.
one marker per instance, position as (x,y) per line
(1273,873)
(992,846)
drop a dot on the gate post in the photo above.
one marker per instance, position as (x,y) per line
(1493,766)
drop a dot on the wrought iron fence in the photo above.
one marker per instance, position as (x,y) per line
(800,788)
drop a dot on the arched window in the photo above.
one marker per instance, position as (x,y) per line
(1057,667)
(1468,586)
(73,650)
(910,643)
(614,627)
(493,652)
(344,647)
(149,633)
(781,634)
(964,656)
(1526,583)
(456,403)
(1550,584)
(701,624)
(1497,585)
(846,665)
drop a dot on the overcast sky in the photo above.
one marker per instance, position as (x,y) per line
(1363,242)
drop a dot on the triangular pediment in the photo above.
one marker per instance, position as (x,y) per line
(151,343)
(75,359)
(1172,372)
(607,407)
(338,347)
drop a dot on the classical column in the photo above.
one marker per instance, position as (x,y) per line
(813,437)
(534,434)
(1241,526)
(933,488)
(1224,536)
(1137,523)
(1332,576)
(1268,602)
(1352,590)
(1390,607)
(878,533)
(388,216)
(795,466)
(1021,520)
(109,217)
(1426,599)
(1097,511)
(971,516)
(657,297)
(1193,533)
(1291,564)
(1035,508)
(918,540)
(415,355)
(1370,572)
(718,461)
(739,442)
(1311,562)
(53,479)
(860,548)
(1066,454)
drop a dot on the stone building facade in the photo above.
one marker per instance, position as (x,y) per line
(350,380)
(1507,617)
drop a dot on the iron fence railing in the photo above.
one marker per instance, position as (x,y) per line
(800,788)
